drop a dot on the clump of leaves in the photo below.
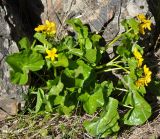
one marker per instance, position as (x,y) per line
(73,72)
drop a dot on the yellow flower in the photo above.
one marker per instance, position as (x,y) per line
(146,78)
(144,23)
(148,74)
(141,17)
(138,56)
(40,28)
(48,28)
(51,54)
(146,70)
(140,61)
(140,82)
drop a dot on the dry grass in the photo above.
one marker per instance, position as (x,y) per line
(150,130)
(38,126)
(63,127)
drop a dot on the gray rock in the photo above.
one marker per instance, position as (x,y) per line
(9,106)
(7,46)
(102,15)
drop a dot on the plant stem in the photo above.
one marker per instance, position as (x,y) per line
(120,67)
(121,89)
(126,106)
(113,60)
(108,70)
(55,72)
(116,38)
(108,64)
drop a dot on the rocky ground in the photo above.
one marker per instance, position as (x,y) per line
(19,18)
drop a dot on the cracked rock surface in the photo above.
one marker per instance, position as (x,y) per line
(8,91)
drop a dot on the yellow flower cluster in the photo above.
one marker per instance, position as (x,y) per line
(49,28)
(144,23)
(143,81)
(51,54)
(146,78)
(138,56)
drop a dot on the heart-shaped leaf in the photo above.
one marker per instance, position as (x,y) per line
(23,62)
(140,112)
(107,123)
(24,43)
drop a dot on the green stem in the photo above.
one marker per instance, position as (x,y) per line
(121,89)
(117,62)
(108,64)
(126,106)
(33,44)
(116,38)
(108,70)
(120,67)
(113,60)
(55,72)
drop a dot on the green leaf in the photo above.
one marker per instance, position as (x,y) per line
(42,38)
(125,24)
(66,109)
(77,76)
(85,32)
(133,24)
(68,43)
(132,63)
(48,106)
(62,60)
(130,83)
(84,97)
(91,55)
(81,30)
(23,62)
(140,112)
(51,83)
(94,101)
(76,51)
(40,97)
(62,108)
(83,69)
(56,89)
(107,123)
(88,44)
(18,77)
(79,82)
(59,100)
(107,88)
(97,99)
(39,48)
(74,22)
(77,26)
(25,43)
(96,38)
(122,51)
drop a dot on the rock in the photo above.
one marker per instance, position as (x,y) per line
(10,106)
(7,46)
(3,115)
(102,15)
